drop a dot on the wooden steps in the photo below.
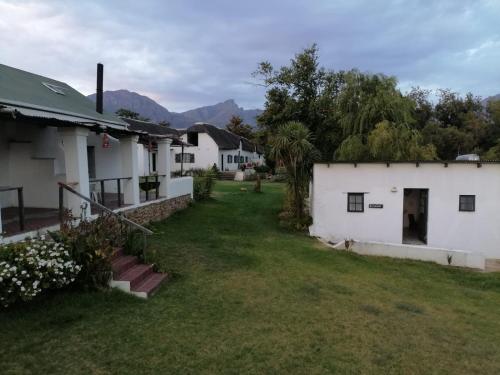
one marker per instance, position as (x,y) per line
(492,265)
(133,277)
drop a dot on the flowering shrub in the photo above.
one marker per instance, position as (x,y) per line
(27,268)
(91,243)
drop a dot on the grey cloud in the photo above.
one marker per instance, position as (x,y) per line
(193,53)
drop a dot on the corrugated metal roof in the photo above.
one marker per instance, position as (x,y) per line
(43,97)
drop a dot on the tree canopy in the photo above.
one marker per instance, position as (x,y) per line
(236,126)
(353,115)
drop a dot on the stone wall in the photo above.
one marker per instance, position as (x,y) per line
(157,211)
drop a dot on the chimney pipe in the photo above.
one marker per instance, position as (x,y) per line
(99,98)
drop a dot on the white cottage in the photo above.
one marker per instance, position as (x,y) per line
(447,212)
(209,145)
(51,133)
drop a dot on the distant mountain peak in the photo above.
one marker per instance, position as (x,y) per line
(218,114)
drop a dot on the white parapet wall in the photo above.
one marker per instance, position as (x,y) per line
(457,258)
(180,186)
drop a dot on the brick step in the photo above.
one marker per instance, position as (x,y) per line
(149,285)
(123,263)
(135,274)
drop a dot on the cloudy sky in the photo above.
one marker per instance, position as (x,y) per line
(189,53)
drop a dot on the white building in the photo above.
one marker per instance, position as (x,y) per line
(51,133)
(209,145)
(447,212)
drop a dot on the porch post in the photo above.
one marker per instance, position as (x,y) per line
(164,164)
(130,168)
(77,169)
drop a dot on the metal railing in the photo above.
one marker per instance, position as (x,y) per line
(118,180)
(121,218)
(20,203)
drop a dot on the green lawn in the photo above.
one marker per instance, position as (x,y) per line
(250,297)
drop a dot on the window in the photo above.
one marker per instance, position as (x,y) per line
(355,202)
(246,159)
(153,162)
(242,159)
(57,89)
(188,158)
(235,158)
(467,203)
(192,138)
(229,159)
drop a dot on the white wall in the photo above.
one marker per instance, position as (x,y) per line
(29,156)
(448,228)
(180,186)
(205,154)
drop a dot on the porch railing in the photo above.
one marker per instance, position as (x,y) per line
(121,218)
(102,181)
(20,202)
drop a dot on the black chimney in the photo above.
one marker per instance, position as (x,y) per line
(98,98)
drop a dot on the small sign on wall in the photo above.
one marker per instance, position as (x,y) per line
(375,205)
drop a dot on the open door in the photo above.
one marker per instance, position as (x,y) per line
(415,213)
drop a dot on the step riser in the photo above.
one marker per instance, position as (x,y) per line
(141,278)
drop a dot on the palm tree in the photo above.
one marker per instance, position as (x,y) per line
(291,145)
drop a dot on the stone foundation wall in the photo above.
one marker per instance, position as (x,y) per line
(157,211)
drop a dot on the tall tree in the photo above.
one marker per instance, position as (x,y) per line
(236,126)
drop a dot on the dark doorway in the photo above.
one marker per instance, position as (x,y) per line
(91,161)
(415,214)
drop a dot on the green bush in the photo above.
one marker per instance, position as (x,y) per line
(203,183)
(92,244)
(262,169)
(31,267)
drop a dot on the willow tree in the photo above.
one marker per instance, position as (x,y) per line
(368,99)
(291,145)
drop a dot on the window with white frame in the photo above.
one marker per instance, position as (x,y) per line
(230,159)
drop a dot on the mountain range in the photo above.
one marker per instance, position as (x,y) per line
(218,114)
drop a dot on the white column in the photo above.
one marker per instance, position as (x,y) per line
(163,167)
(130,168)
(77,169)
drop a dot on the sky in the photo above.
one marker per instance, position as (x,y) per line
(186,54)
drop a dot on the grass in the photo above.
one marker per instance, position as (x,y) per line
(250,297)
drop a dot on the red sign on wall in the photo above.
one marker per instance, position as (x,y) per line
(105,141)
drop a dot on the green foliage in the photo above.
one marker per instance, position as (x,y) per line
(341,109)
(292,146)
(352,148)
(92,244)
(135,243)
(236,126)
(368,99)
(398,142)
(127,113)
(203,183)
(262,169)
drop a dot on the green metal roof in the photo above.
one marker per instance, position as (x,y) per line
(40,96)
